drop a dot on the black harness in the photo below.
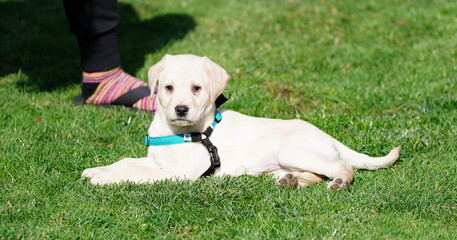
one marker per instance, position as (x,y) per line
(212,150)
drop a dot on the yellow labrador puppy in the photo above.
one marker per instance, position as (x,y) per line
(295,151)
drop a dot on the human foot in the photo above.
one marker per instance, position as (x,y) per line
(116,87)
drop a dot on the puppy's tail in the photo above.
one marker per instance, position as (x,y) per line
(363,161)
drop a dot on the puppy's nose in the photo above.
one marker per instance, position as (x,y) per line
(181,110)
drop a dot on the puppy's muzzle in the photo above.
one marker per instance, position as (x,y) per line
(181,110)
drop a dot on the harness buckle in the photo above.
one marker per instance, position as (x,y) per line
(214,157)
(208,132)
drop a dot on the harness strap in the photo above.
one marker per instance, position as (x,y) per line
(221,100)
(213,157)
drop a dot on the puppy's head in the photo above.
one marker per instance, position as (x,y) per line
(187,87)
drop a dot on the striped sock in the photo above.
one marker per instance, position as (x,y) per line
(114,83)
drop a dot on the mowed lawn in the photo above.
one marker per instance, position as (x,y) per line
(373,74)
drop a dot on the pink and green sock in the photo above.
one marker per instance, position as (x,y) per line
(110,85)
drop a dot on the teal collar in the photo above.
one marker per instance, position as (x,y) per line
(182,138)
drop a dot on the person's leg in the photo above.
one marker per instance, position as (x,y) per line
(94,23)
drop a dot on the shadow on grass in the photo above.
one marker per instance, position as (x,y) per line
(35,40)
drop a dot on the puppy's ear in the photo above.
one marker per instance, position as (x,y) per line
(154,72)
(218,77)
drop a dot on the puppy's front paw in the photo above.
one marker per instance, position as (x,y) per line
(89,173)
(98,175)
(102,179)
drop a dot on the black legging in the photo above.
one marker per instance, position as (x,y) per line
(94,23)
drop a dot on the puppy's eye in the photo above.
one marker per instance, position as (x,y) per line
(169,88)
(196,88)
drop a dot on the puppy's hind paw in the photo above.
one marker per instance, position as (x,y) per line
(288,180)
(338,184)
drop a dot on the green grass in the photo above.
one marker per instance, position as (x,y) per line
(374,74)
